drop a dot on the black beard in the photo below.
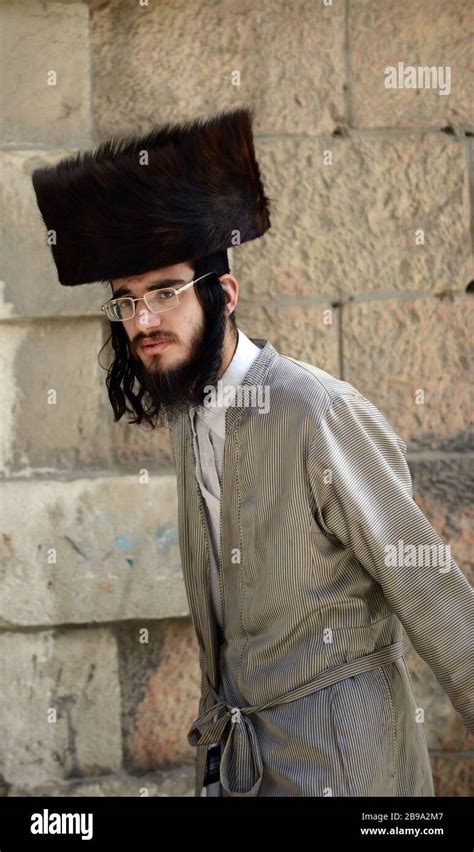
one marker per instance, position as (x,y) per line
(173,391)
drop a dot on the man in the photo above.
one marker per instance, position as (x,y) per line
(302,548)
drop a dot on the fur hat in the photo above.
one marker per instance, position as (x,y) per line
(134,204)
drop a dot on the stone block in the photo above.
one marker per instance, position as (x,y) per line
(355,227)
(45,73)
(90,550)
(162,61)
(54,397)
(412,359)
(60,707)
(160,686)
(434,34)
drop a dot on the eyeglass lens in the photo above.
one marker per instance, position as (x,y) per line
(158,300)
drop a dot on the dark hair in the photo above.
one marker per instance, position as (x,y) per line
(124,383)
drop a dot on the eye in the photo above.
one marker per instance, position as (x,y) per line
(161,296)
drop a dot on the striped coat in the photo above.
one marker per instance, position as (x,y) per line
(306,689)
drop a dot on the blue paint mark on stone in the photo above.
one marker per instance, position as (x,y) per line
(124,543)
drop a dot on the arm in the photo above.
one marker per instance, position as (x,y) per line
(368,506)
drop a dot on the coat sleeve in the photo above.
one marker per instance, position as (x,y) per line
(362,491)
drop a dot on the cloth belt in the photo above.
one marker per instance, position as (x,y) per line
(241,758)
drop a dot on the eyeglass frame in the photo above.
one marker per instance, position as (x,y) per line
(176,290)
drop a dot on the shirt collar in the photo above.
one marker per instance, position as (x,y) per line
(245,354)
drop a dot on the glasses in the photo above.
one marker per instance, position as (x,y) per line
(157,301)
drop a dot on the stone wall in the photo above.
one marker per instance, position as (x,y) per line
(98,659)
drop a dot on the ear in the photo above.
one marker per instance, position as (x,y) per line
(226,277)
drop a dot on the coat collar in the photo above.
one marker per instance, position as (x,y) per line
(254,376)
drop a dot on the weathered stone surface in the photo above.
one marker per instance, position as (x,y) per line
(38,38)
(433,33)
(115,543)
(75,674)
(443,726)
(453,774)
(29,285)
(55,407)
(135,445)
(162,60)
(394,349)
(444,490)
(350,228)
(169,782)
(308,333)
(160,688)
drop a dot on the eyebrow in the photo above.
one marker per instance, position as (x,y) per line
(155,285)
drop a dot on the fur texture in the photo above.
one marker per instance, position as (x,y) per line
(115,217)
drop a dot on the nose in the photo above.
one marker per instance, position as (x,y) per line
(145,319)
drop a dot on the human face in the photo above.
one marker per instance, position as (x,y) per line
(162,341)
(197,340)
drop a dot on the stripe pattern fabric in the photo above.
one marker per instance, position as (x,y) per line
(316,491)
(241,755)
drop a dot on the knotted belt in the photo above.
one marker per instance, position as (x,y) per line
(231,726)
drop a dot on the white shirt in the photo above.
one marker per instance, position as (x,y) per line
(208,428)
